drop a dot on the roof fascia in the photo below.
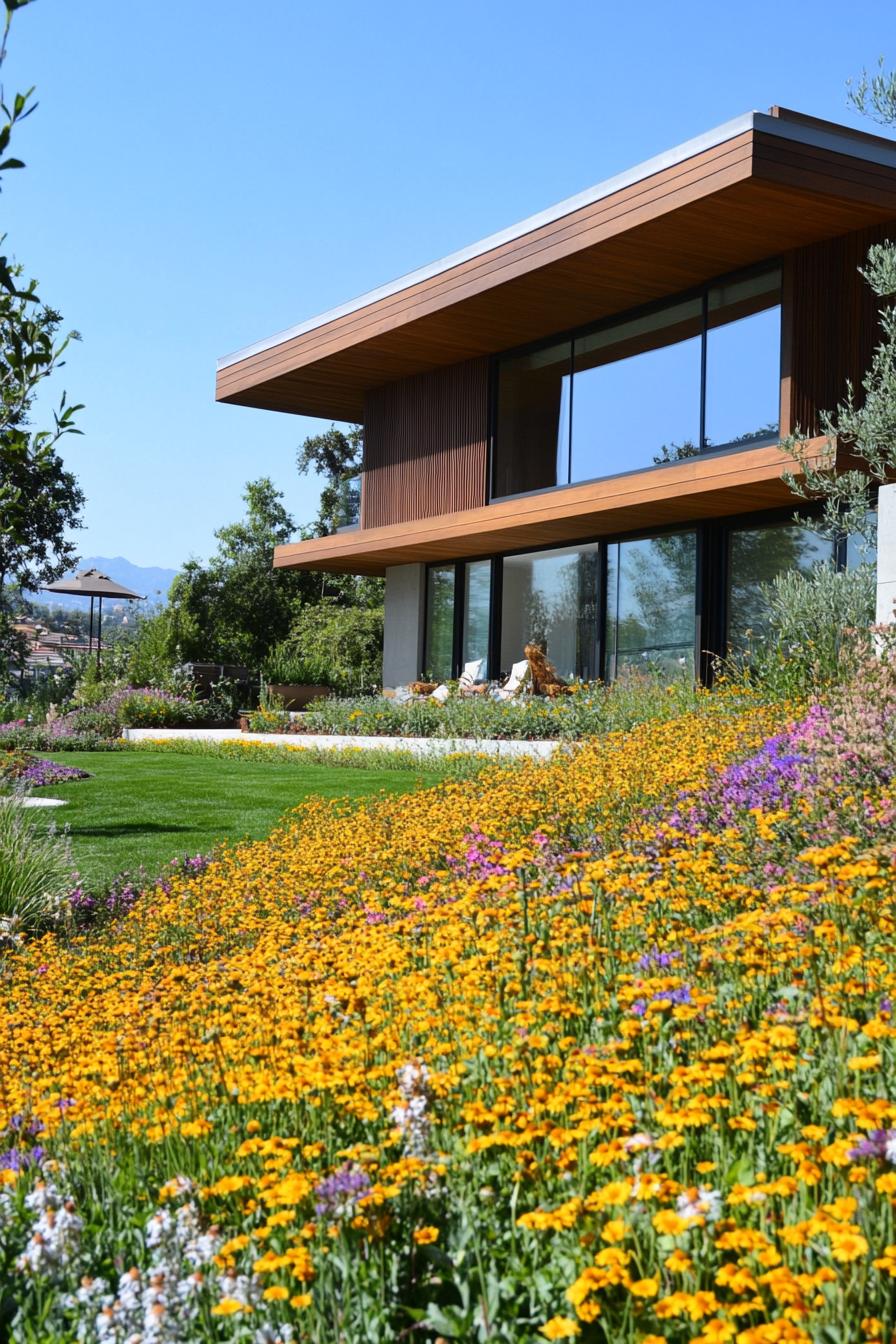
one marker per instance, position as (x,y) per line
(834,140)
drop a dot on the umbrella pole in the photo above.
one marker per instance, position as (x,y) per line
(90,632)
(99,640)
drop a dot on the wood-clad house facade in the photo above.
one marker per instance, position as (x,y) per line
(571,428)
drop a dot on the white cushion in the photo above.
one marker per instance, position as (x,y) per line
(441,694)
(519,675)
(471,673)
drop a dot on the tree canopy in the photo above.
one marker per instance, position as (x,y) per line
(40,500)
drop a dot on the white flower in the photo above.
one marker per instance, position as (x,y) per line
(704,1203)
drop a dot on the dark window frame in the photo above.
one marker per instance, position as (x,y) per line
(572,334)
(711,606)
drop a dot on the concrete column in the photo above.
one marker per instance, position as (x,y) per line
(886,555)
(403,635)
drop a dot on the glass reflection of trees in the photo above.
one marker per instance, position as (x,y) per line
(651,602)
(550,599)
(756,556)
(439,651)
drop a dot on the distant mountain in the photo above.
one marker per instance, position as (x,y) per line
(149,580)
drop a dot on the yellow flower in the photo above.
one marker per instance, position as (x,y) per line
(613,1231)
(425,1236)
(848,1244)
(275,1293)
(560,1327)
(644,1287)
(669,1224)
(229,1306)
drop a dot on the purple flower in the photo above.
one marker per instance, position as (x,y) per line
(20,1159)
(656,958)
(338,1194)
(880,1145)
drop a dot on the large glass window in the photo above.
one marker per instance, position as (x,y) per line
(438,657)
(634,396)
(756,556)
(550,598)
(477,608)
(651,604)
(689,376)
(743,362)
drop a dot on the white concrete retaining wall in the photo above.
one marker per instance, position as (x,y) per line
(420,746)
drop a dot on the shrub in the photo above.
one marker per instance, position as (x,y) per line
(285,665)
(589,710)
(20,768)
(131,707)
(35,873)
(815,630)
(343,644)
(24,738)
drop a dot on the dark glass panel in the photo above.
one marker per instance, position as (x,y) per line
(757,555)
(743,361)
(438,659)
(636,392)
(532,428)
(477,607)
(550,598)
(651,604)
(858,550)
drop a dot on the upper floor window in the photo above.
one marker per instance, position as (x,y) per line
(689,376)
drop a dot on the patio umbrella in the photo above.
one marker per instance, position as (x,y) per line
(91,583)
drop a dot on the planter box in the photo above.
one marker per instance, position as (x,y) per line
(297,697)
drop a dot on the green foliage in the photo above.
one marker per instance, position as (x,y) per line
(154,650)
(589,711)
(234,608)
(40,501)
(286,665)
(337,455)
(865,420)
(35,873)
(814,631)
(454,765)
(344,645)
(37,738)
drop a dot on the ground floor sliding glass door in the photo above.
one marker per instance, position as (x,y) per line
(651,604)
(668,603)
(552,599)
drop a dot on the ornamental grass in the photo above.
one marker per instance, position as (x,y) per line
(592,1049)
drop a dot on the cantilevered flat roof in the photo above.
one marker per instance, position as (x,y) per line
(727,198)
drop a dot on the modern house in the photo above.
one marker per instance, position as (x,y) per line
(571,427)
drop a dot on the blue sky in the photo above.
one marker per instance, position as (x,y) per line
(205,174)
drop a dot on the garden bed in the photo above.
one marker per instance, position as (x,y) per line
(417,746)
(587,711)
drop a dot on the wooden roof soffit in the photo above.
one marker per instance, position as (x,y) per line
(752,189)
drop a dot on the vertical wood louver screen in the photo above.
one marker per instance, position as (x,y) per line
(831,326)
(426,445)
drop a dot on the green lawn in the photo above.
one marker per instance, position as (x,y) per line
(144,808)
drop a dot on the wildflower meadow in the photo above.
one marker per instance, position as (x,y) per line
(599,1048)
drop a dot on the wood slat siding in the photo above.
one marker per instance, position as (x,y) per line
(426,445)
(832,326)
